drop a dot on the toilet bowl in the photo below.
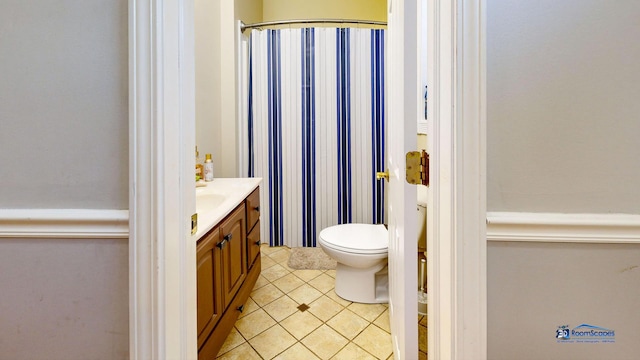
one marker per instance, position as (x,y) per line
(361,252)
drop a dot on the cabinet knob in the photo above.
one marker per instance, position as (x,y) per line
(257,208)
(240,308)
(257,242)
(221,243)
(228,237)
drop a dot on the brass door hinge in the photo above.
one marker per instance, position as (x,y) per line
(417,171)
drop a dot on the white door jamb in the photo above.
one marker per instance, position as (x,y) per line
(457,145)
(162,296)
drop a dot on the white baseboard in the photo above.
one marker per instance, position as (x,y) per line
(551,227)
(64,223)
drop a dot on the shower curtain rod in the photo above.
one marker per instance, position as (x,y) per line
(244,26)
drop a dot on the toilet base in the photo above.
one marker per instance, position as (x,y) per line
(422,303)
(369,286)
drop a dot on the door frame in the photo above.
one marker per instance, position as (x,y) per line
(162,252)
(456,220)
(162,133)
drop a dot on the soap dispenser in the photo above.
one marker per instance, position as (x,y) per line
(208,168)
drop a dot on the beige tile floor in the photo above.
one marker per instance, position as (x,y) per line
(276,325)
(422,337)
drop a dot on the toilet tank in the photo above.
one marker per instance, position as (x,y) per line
(422,218)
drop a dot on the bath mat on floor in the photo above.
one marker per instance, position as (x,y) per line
(310,258)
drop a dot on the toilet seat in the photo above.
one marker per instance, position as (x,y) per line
(356,238)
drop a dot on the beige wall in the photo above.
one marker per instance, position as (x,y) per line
(207,78)
(327,9)
(249,11)
(563,88)
(216,65)
(64,144)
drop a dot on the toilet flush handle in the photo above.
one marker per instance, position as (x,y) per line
(383,175)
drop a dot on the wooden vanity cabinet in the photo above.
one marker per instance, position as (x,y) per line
(228,267)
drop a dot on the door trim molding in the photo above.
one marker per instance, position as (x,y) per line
(457,143)
(64,223)
(162,274)
(555,227)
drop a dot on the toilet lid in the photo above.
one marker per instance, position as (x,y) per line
(356,238)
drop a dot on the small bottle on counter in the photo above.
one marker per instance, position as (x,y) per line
(208,168)
(199,167)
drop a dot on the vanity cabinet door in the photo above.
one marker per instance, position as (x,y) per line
(208,281)
(253,244)
(232,253)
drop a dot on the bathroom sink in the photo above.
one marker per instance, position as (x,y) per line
(201,191)
(208,202)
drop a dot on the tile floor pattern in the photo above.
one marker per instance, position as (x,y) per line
(273,327)
(422,337)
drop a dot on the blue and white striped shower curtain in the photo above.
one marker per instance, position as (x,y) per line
(316,129)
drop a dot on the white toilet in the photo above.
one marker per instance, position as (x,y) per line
(361,251)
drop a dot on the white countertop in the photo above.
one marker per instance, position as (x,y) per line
(219,198)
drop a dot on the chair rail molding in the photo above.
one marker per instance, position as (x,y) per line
(64,223)
(556,227)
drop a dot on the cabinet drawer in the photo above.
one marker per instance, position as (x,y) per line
(253,244)
(253,209)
